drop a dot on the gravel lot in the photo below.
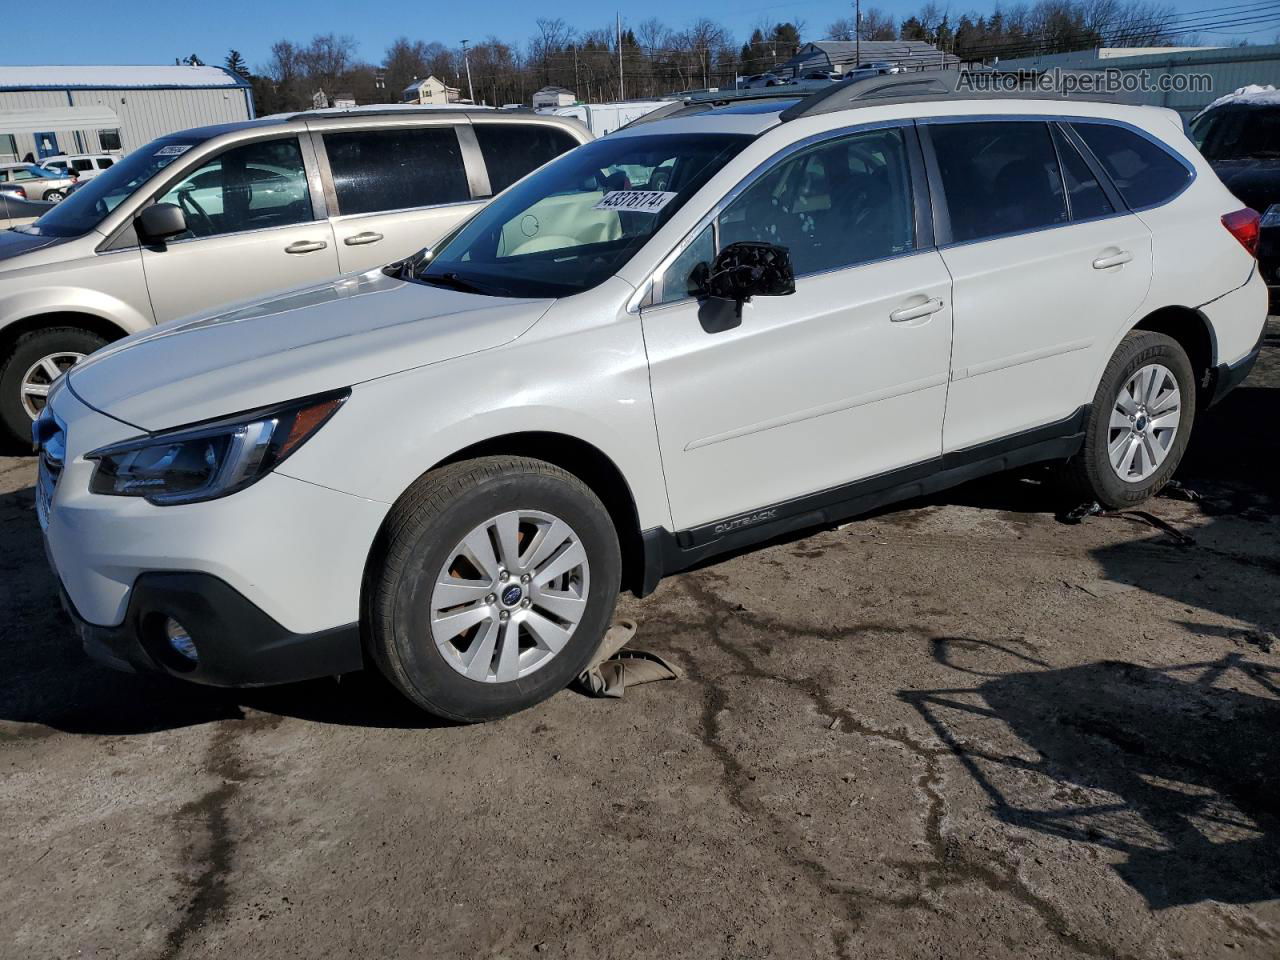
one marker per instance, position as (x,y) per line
(957,729)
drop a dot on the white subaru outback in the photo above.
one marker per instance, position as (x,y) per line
(725,323)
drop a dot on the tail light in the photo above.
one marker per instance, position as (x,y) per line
(1244,226)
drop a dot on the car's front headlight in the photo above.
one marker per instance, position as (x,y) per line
(209,459)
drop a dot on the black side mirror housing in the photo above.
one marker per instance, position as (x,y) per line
(744,270)
(161,221)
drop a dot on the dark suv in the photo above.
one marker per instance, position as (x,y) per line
(1240,137)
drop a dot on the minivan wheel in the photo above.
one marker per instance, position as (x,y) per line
(1140,423)
(491,586)
(37,359)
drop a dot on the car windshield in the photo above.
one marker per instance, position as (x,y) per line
(84,209)
(575,222)
(1238,133)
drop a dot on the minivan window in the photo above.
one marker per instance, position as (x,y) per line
(999,177)
(511,150)
(84,209)
(1143,172)
(837,204)
(396,169)
(252,187)
(1085,195)
(575,222)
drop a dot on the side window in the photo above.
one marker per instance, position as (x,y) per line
(254,187)
(1143,172)
(80,166)
(1085,195)
(677,282)
(396,169)
(837,204)
(511,150)
(999,177)
(104,162)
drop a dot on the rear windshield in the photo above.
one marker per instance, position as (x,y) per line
(1238,133)
(85,208)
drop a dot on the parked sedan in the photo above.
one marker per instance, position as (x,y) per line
(36,182)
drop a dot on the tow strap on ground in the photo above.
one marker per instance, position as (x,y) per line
(614,667)
(1095,509)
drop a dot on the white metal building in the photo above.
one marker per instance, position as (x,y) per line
(111,109)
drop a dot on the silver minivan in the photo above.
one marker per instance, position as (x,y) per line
(217,214)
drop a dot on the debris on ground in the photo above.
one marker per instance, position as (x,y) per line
(614,666)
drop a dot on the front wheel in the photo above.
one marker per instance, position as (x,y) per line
(491,587)
(38,358)
(1140,423)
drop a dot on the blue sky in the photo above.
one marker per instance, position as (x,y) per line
(156,31)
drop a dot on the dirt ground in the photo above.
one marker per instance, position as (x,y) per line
(956,729)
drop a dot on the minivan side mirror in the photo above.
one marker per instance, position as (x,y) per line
(160,221)
(744,270)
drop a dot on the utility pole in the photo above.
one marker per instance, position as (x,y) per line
(471,90)
(621,94)
(857,32)
(576,81)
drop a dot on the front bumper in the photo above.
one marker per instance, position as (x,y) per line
(268,579)
(237,645)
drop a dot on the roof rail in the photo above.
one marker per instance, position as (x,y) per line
(693,103)
(926,85)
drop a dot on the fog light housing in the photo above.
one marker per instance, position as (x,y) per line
(180,641)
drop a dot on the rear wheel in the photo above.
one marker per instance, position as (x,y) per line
(38,358)
(492,586)
(54,196)
(1140,422)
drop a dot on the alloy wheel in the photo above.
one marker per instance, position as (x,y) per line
(1144,423)
(510,596)
(40,376)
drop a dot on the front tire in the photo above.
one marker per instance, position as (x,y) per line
(491,586)
(36,360)
(1139,425)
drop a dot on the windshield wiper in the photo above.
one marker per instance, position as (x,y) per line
(452,280)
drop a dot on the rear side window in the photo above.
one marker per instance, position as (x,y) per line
(396,169)
(1144,172)
(1085,195)
(998,177)
(511,150)
(104,162)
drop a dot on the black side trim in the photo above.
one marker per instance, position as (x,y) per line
(1228,376)
(667,552)
(239,645)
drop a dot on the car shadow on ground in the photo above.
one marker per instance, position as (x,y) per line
(1167,767)
(47,681)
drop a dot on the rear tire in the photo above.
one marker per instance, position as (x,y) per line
(447,530)
(54,196)
(1139,425)
(30,367)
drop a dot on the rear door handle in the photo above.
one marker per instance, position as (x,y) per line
(1112,260)
(360,239)
(305,246)
(915,313)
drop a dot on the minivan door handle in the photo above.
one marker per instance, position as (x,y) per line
(1112,260)
(360,239)
(305,246)
(915,313)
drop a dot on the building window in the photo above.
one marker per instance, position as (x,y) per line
(109,139)
(8,146)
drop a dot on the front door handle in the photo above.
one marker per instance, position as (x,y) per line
(915,313)
(360,239)
(1112,260)
(305,246)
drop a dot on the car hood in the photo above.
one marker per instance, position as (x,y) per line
(14,243)
(1256,183)
(293,345)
